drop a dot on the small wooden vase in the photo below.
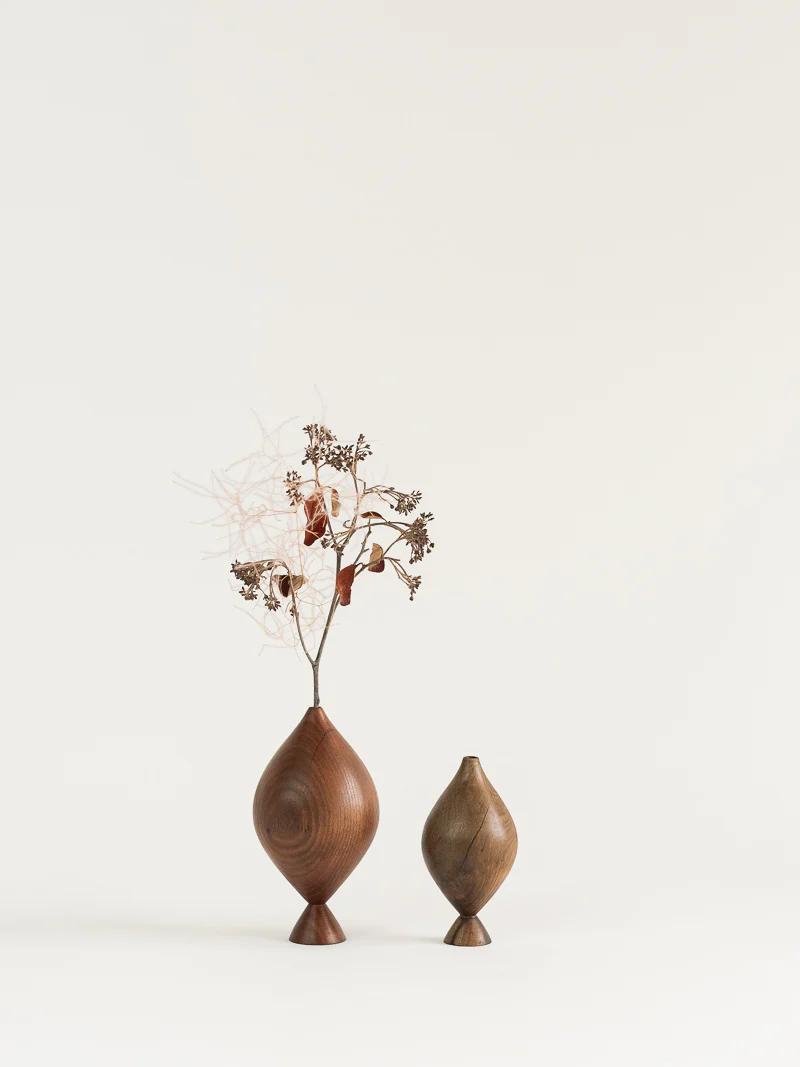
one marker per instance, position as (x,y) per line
(316,813)
(469,844)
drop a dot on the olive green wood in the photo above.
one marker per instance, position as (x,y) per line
(467,933)
(469,844)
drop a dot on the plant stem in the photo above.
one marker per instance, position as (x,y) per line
(297,624)
(335,599)
(331,610)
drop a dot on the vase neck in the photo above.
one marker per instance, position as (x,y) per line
(317,715)
(470,768)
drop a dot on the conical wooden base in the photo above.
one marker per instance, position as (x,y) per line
(468,932)
(317,926)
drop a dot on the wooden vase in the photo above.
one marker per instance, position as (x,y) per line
(469,844)
(316,813)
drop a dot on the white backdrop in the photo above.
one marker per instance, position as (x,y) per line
(545,257)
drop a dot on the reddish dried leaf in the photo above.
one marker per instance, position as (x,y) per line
(287,583)
(344,582)
(315,517)
(376,559)
(371,515)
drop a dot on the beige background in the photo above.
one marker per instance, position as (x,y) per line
(545,256)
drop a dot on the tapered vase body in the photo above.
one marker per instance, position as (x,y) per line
(316,813)
(469,844)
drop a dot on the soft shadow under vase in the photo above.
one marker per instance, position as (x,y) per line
(316,813)
(469,845)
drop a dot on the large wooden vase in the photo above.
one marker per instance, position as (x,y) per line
(469,844)
(316,813)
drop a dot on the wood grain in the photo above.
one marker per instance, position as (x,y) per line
(467,932)
(316,813)
(469,844)
(317,926)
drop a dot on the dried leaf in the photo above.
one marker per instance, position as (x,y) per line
(344,582)
(336,505)
(376,562)
(287,583)
(371,515)
(315,517)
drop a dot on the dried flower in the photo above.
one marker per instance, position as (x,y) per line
(417,537)
(411,581)
(324,450)
(250,575)
(293,481)
(407,502)
(320,440)
(345,457)
(336,526)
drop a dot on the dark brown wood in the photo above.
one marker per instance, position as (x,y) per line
(467,933)
(469,844)
(316,813)
(317,926)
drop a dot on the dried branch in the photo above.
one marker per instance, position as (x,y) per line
(294,532)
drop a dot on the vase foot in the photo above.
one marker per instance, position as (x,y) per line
(317,926)
(467,932)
